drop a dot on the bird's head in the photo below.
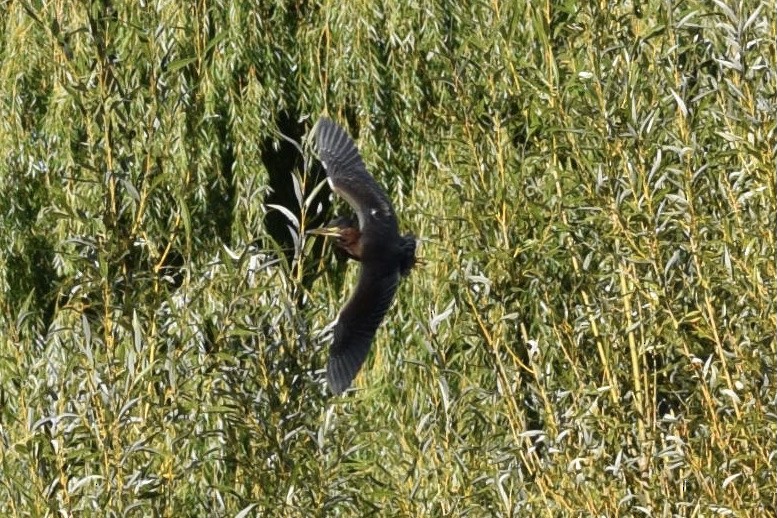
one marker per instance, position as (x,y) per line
(346,230)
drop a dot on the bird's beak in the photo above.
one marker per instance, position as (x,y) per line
(325,231)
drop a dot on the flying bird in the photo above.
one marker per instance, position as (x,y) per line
(373,239)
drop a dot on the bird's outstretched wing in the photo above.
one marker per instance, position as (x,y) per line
(349,178)
(357,324)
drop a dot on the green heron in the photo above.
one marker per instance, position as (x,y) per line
(372,239)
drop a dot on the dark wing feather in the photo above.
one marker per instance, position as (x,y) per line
(358,322)
(349,178)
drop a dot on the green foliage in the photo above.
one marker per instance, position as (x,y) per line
(592,331)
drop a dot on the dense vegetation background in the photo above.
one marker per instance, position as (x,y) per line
(592,333)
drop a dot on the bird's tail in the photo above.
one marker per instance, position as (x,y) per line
(407,257)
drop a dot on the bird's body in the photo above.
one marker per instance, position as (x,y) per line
(373,240)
